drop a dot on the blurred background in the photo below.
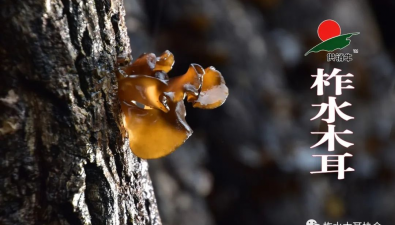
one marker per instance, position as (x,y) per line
(249,161)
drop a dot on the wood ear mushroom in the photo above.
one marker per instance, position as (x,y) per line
(153,104)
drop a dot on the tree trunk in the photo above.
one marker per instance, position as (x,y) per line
(63,158)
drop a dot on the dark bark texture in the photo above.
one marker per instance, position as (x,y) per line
(63,158)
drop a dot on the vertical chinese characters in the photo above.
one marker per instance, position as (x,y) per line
(341,82)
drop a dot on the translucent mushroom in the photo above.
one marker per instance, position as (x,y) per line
(154,133)
(144,65)
(165,62)
(153,105)
(213,92)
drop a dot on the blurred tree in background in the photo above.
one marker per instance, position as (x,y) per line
(248,162)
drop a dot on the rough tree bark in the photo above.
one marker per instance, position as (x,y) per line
(63,158)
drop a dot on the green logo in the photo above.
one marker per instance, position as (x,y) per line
(330,33)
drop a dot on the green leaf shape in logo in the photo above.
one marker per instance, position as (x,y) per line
(330,45)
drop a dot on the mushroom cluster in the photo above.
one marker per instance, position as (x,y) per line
(153,104)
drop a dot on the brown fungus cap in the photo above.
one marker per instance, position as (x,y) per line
(213,92)
(165,62)
(143,65)
(153,105)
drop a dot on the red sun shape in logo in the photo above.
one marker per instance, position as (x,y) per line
(328,29)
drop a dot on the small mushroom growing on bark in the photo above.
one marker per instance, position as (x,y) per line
(153,104)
